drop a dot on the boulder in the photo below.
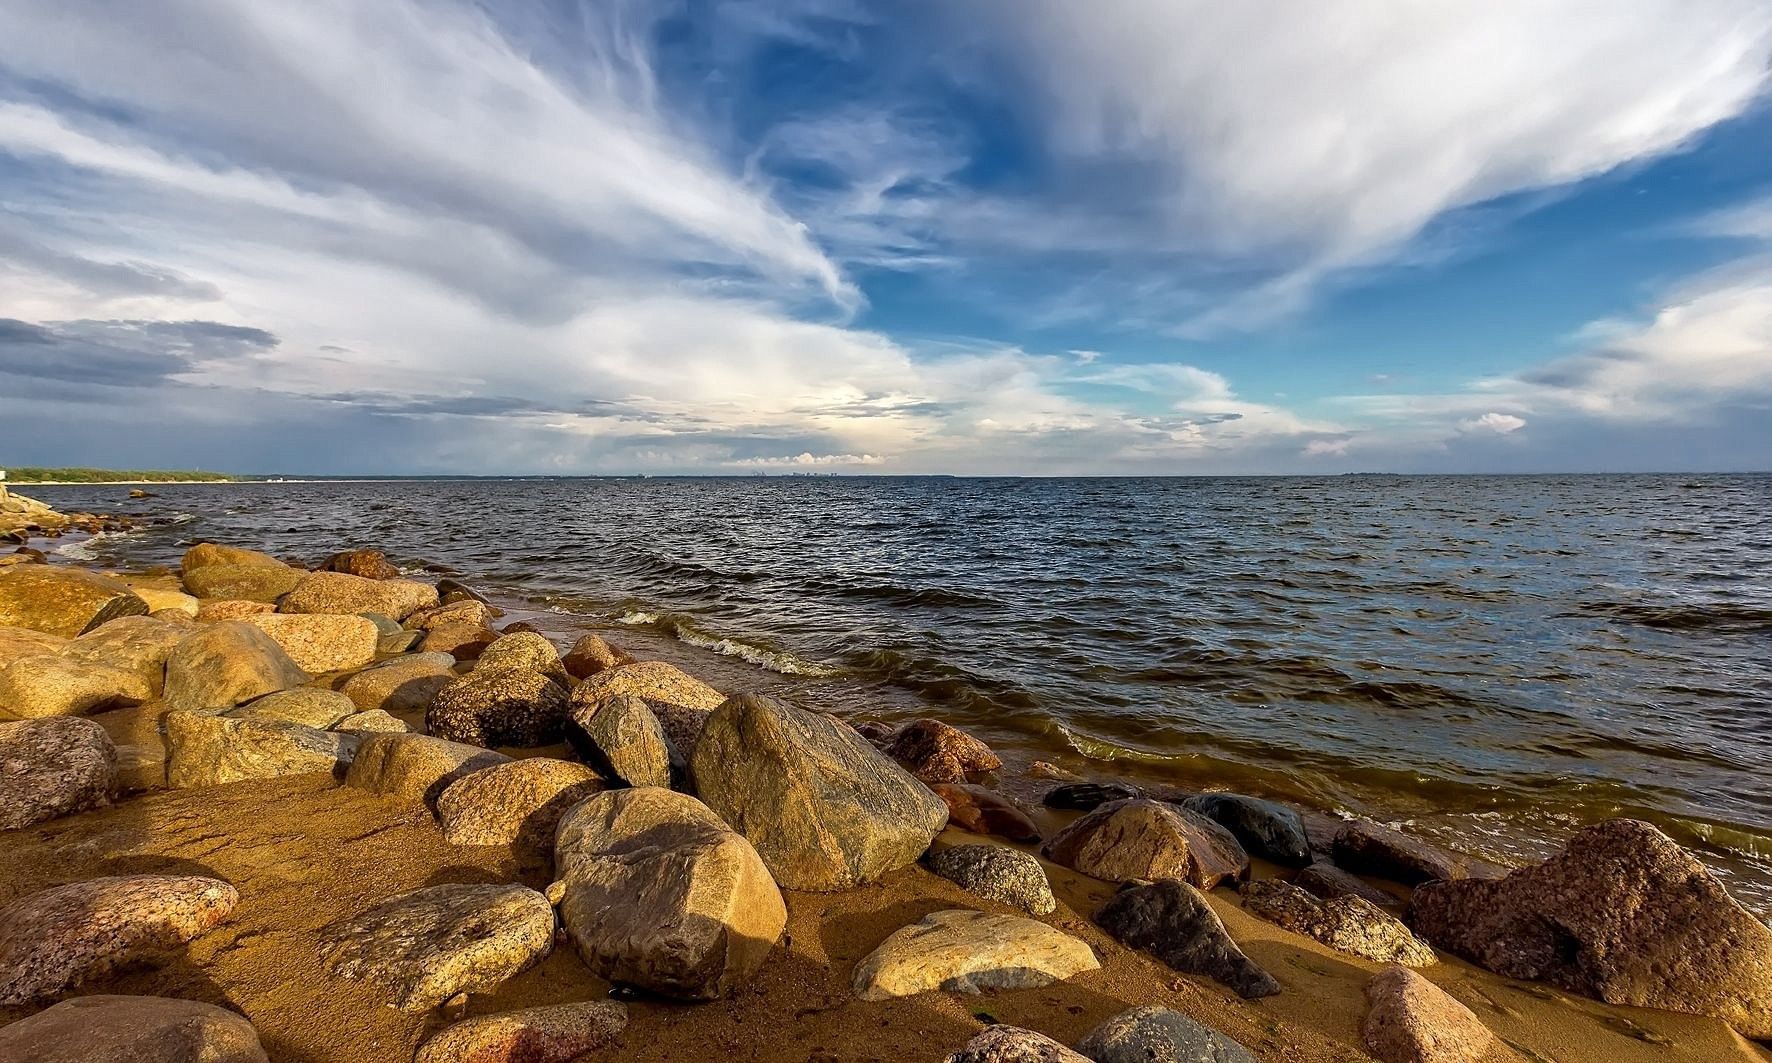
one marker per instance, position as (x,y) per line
(17,643)
(1327,881)
(399,642)
(139,644)
(402,687)
(679,700)
(231,609)
(519,801)
(590,655)
(1369,849)
(561,1033)
(1172,921)
(53,767)
(321,642)
(515,707)
(63,601)
(131,1030)
(164,600)
(471,613)
(1623,914)
(340,592)
(1413,1020)
(961,951)
(426,946)
(205,750)
(37,687)
(463,642)
(370,564)
(1265,829)
(1007,876)
(1088,796)
(414,767)
(384,625)
(657,892)
(1140,839)
(936,753)
(375,721)
(454,590)
(985,811)
(623,739)
(210,555)
(1346,924)
(59,938)
(225,664)
(1154,1034)
(826,810)
(1011,1044)
(308,706)
(523,651)
(251,583)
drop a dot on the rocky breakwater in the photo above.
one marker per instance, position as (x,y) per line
(23,518)
(680,831)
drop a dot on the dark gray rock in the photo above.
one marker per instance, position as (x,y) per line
(1153,1034)
(1172,921)
(1268,830)
(1087,796)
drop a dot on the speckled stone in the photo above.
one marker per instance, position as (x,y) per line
(52,767)
(503,707)
(1010,1044)
(130,1029)
(961,951)
(1346,924)
(1008,876)
(414,767)
(1415,1021)
(1153,1034)
(519,801)
(558,1034)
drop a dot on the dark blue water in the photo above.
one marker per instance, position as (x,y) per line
(1495,660)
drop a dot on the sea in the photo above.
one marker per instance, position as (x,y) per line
(1491,661)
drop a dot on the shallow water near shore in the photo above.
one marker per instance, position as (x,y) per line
(1494,661)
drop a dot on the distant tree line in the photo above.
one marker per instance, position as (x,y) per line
(30,475)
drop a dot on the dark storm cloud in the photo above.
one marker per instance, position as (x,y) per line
(121,354)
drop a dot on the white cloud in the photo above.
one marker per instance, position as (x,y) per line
(1500,424)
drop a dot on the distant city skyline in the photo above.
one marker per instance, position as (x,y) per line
(1003,237)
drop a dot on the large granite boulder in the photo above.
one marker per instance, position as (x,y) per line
(53,767)
(426,946)
(1413,1020)
(657,892)
(370,564)
(1384,852)
(17,643)
(1268,830)
(561,1033)
(1011,1044)
(139,644)
(341,592)
(1346,924)
(402,687)
(205,750)
(1007,876)
(623,738)
(226,664)
(321,642)
(521,801)
(119,1029)
(1154,1034)
(1623,914)
(413,767)
(679,700)
(57,939)
(165,602)
(961,951)
(938,753)
(1172,921)
(212,609)
(36,687)
(63,601)
(825,809)
(212,555)
(264,584)
(462,642)
(1140,839)
(308,706)
(523,651)
(503,707)
(590,655)
(982,810)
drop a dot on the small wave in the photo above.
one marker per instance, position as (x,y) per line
(89,549)
(1720,616)
(941,682)
(686,631)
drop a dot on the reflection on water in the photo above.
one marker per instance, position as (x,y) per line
(1499,659)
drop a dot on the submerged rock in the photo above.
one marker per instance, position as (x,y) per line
(826,810)
(1140,839)
(1413,1020)
(321,642)
(38,687)
(1007,876)
(514,707)
(657,892)
(623,739)
(985,811)
(340,592)
(1172,921)
(937,753)
(1371,849)
(1011,1044)
(1268,830)
(63,601)
(226,664)
(415,767)
(60,938)
(1154,1034)
(1346,924)
(522,801)
(590,655)
(961,951)
(1088,796)
(53,767)
(1623,914)
(126,1029)
(561,1033)
(370,564)
(426,946)
(523,651)
(205,750)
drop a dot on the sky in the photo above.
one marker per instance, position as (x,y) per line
(996,237)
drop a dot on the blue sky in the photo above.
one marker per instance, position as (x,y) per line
(1007,236)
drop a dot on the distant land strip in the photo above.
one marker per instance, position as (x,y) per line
(29,475)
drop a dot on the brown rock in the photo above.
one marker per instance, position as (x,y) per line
(1010,1044)
(679,700)
(1623,914)
(370,564)
(472,613)
(38,687)
(1369,849)
(524,651)
(375,721)
(521,801)
(1415,1021)
(403,686)
(935,752)
(225,664)
(1346,924)
(1327,881)
(464,642)
(207,555)
(415,767)
(558,1034)
(590,655)
(118,1029)
(57,939)
(1172,921)
(341,592)
(232,609)
(984,811)
(140,644)
(513,707)
(53,767)
(623,738)
(320,642)
(253,583)
(64,601)
(1140,839)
